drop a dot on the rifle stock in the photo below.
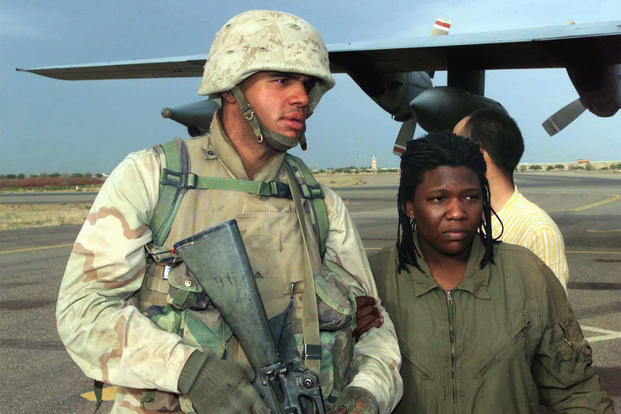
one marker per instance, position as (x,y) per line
(217,258)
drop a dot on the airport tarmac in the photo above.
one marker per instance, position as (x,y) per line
(38,375)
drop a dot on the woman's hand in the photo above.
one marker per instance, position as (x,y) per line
(367,315)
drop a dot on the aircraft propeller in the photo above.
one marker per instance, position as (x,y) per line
(441,27)
(563,117)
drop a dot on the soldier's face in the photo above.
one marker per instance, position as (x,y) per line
(280,100)
(447,207)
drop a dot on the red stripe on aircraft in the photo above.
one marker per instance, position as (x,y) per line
(443,24)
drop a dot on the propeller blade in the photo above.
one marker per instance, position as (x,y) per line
(406,133)
(563,117)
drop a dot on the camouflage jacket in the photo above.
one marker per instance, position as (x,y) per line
(101,311)
(503,341)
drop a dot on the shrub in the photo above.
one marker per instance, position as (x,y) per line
(559,166)
(534,167)
(549,167)
(49,182)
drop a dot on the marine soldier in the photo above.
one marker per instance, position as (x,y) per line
(131,315)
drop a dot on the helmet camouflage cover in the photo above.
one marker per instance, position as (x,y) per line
(264,40)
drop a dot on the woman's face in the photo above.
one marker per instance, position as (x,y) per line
(447,207)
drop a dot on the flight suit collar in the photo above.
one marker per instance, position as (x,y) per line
(220,144)
(475,280)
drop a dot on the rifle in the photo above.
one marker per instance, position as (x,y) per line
(218,259)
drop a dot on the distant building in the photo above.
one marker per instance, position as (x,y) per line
(374,164)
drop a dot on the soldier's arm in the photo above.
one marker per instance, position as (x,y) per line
(106,336)
(376,357)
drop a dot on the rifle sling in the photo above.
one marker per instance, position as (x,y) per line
(310,317)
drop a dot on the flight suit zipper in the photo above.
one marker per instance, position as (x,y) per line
(451,323)
(505,349)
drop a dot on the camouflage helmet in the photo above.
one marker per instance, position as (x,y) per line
(265,40)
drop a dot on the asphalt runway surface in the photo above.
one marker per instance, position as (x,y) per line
(38,375)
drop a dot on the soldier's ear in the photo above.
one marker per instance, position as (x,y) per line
(409,209)
(228,97)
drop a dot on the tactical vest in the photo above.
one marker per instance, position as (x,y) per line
(195,194)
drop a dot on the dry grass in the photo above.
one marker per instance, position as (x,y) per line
(339,180)
(21,216)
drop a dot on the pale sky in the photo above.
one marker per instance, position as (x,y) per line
(49,125)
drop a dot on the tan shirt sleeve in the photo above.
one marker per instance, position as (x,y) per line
(105,335)
(377,358)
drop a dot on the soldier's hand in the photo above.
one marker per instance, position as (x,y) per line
(355,400)
(219,386)
(367,315)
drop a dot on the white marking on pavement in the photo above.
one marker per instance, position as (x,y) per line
(589,252)
(607,334)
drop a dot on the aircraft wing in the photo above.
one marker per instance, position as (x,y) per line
(168,67)
(544,47)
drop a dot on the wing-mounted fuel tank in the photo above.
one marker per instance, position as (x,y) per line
(196,116)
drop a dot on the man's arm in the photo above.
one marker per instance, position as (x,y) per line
(377,358)
(105,335)
(562,367)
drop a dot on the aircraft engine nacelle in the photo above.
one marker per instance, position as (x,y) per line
(442,107)
(399,90)
(599,87)
(196,116)
(391,91)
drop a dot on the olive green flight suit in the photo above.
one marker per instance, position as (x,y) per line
(503,341)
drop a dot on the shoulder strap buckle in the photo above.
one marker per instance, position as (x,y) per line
(311,191)
(279,189)
(178,179)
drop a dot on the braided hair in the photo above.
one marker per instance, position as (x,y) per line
(438,149)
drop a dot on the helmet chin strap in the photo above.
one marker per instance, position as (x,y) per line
(279,142)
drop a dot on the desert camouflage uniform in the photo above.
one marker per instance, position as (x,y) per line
(125,324)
